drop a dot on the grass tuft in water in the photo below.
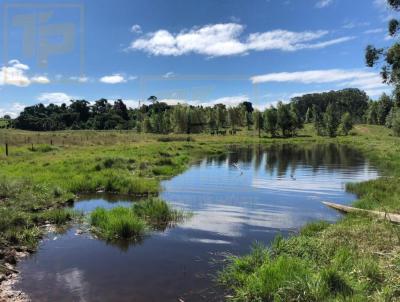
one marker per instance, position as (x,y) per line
(157,213)
(117,223)
(132,223)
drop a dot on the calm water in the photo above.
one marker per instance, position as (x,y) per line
(247,195)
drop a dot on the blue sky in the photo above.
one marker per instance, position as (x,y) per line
(200,52)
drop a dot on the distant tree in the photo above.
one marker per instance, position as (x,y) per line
(396,123)
(7,117)
(393,121)
(372,113)
(121,109)
(152,98)
(385,104)
(309,117)
(296,120)
(235,117)
(346,123)
(248,109)
(221,115)
(271,120)
(284,119)
(318,120)
(331,121)
(258,121)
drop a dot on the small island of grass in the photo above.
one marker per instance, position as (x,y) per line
(123,223)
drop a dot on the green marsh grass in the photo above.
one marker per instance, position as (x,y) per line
(157,213)
(117,223)
(32,183)
(132,223)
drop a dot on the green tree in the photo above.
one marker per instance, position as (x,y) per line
(346,123)
(271,121)
(372,113)
(235,117)
(258,121)
(331,121)
(284,119)
(296,120)
(318,120)
(309,117)
(385,104)
(391,58)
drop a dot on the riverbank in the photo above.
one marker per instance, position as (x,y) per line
(123,163)
(356,259)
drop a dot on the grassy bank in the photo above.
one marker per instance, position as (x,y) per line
(355,259)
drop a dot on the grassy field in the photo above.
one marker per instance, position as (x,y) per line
(356,259)
(3,123)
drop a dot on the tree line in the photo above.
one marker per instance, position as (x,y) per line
(332,113)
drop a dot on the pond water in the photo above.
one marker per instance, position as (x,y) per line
(250,194)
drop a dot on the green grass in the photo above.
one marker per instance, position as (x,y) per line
(132,223)
(117,223)
(356,259)
(157,213)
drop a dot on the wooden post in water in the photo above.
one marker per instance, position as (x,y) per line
(51,142)
(32,147)
(6,149)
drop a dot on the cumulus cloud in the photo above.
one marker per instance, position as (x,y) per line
(226,39)
(15,73)
(55,98)
(323,3)
(116,78)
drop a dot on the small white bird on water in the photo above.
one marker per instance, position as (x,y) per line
(236,165)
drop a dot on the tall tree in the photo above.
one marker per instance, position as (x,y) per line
(331,121)
(271,121)
(391,55)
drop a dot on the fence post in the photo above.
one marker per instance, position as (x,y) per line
(51,142)
(6,149)
(32,147)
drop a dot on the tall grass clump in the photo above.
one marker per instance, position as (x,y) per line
(156,212)
(117,223)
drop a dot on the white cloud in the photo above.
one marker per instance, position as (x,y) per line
(169,75)
(40,80)
(80,79)
(323,3)
(13,110)
(371,82)
(225,39)
(373,31)
(55,98)
(113,79)
(14,74)
(136,29)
